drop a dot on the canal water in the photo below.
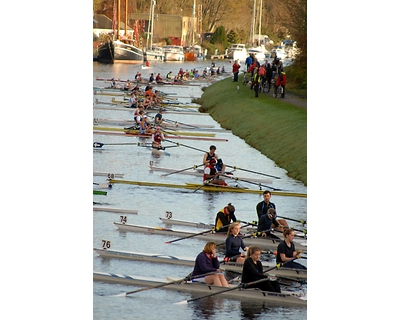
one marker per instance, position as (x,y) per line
(152,202)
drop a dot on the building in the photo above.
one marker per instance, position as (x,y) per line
(182,31)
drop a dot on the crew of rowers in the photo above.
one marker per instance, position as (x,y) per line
(207,266)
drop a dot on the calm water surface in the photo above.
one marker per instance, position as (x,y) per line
(152,203)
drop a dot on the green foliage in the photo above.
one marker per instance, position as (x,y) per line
(232,37)
(273,126)
(219,37)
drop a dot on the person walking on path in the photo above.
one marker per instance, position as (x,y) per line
(235,70)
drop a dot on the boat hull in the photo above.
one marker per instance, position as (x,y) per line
(184,261)
(219,238)
(195,186)
(117,51)
(240,294)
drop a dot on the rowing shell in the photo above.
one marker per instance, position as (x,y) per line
(284,298)
(184,261)
(136,131)
(108,174)
(190,113)
(210,226)
(219,238)
(200,173)
(116,133)
(115,210)
(214,188)
(167,126)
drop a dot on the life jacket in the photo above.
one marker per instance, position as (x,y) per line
(213,171)
(157,137)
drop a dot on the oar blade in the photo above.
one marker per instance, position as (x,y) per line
(182,302)
(119,295)
(97,144)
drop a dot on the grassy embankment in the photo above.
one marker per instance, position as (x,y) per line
(274,127)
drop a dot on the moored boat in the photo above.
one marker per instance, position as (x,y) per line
(237,52)
(113,51)
(284,298)
(219,238)
(173,53)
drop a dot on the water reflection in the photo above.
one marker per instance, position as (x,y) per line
(207,308)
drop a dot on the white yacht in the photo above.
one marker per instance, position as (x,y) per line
(174,53)
(237,52)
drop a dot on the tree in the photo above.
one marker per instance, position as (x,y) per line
(219,36)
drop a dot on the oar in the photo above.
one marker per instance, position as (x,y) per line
(188,277)
(184,145)
(196,234)
(242,285)
(193,167)
(254,234)
(303,222)
(99,144)
(263,174)
(257,184)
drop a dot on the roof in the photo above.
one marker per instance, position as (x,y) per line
(101,21)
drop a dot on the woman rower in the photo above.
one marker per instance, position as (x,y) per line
(233,243)
(286,251)
(206,262)
(157,137)
(253,271)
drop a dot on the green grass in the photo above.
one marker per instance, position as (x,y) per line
(274,127)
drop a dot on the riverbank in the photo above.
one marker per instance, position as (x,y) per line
(275,127)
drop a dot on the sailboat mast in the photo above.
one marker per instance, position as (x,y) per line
(193,24)
(119,19)
(152,22)
(126,18)
(259,26)
(252,24)
(148,26)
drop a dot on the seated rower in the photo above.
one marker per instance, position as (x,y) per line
(158,118)
(157,137)
(211,175)
(159,79)
(207,262)
(224,218)
(233,243)
(286,251)
(144,127)
(268,221)
(220,166)
(253,271)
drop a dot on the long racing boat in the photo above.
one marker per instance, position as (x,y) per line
(286,298)
(166,132)
(300,274)
(199,172)
(209,187)
(219,238)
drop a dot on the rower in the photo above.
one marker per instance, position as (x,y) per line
(158,119)
(211,175)
(156,138)
(233,243)
(225,217)
(220,166)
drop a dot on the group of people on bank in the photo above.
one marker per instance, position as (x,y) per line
(207,264)
(262,75)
